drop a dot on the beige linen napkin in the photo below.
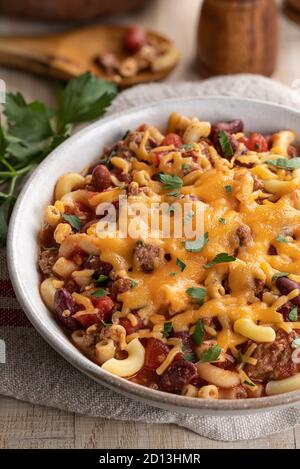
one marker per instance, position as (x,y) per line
(34,372)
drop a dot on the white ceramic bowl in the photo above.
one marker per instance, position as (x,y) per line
(74,155)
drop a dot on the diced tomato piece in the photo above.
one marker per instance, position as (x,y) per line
(130,329)
(135,38)
(103,310)
(105,305)
(172,139)
(256,142)
(145,377)
(156,352)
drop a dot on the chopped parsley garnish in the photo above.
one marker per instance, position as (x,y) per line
(197,294)
(106,160)
(296,343)
(134,283)
(281,239)
(225,144)
(222,221)
(172,183)
(100,292)
(126,134)
(173,274)
(190,357)
(280,275)
(283,163)
(187,146)
(185,166)
(74,221)
(293,314)
(167,329)
(102,278)
(228,189)
(180,264)
(211,355)
(197,244)
(199,332)
(219,259)
(239,358)
(248,383)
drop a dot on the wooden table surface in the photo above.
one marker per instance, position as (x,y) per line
(24,425)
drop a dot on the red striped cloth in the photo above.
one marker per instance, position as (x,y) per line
(11,313)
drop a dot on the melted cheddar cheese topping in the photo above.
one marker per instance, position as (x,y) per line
(250,204)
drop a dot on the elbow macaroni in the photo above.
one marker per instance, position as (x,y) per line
(208,317)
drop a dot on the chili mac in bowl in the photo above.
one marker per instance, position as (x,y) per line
(162,261)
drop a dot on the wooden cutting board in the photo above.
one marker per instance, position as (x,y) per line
(68,54)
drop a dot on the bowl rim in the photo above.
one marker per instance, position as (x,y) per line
(123,386)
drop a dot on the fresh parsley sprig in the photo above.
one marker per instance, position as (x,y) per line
(33,130)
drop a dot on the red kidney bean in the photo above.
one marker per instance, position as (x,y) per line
(179,373)
(134,39)
(187,341)
(285,311)
(63,301)
(232,127)
(233,142)
(101,178)
(285,286)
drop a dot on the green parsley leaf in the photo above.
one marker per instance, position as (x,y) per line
(167,329)
(190,357)
(187,146)
(222,221)
(102,278)
(173,274)
(27,121)
(228,189)
(281,239)
(248,383)
(239,358)
(100,292)
(126,134)
(211,355)
(172,183)
(6,207)
(180,264)
(296,343)
(293,314)
(225,144)
(279,275)
(86,97)
(134,283)
(197,294)
(219,259)
(197,245)
(185,166)
(199,332)
(74,221)
(106,160)
(32,131)
(284,163)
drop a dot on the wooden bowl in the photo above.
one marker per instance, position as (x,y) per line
(66,10)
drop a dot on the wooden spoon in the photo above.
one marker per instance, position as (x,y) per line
(68,54)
